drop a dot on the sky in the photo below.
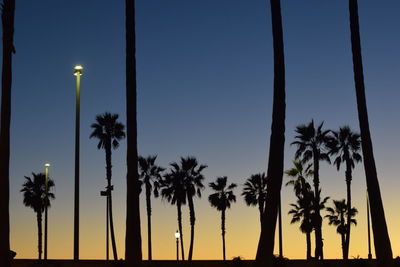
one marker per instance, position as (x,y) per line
(205,80)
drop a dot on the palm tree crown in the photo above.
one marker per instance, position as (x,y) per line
(108,130)
(223,196)
(337,215)
(255,191)
(34,190)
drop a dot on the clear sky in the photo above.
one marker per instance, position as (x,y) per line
(204,89)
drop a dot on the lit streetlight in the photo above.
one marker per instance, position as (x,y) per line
(177,236)
(77,72)
(46,181)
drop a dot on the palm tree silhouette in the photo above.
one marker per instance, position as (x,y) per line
(34,190)
(133,239)
(311,145)
(173,190)
(265,247)
(383,248)
(193,182)
(221,200)
(346,145)
(109,132)
(336,217)
(150,176)
(302,210)
(7,18)
(255,192)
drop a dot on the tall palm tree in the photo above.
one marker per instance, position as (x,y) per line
(34,190)
(150,176)
(255,192)
(193,182)
(7,19)
(277,141)
(303,208)
(109,132)
(311,145)
(383,248)
(173,190)
(346,145)
(133,239)
(337,217)
(301,213)
(221,200)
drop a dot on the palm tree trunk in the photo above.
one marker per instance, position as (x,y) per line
(8,11)
(133,239)
(280,228)
(343,245)
(319,254)
(383,247)
(148,205)
(308,241)
(180,229)
(192,223)
(109,188)
(223,233)
(261,207)
(348,187)
(277,142)
(39,224)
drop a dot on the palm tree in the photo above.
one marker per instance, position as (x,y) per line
(34,190)
(346,145)
(133,239)
(109,132)
(150,176)
(302,210)
(336,217)
(221,200)
(193,182)
(311,144)
(255,191)
(7,18)
(383,248)
(173,190)
(277,141)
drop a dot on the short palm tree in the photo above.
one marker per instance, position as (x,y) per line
(302,210)
(221,200)
(346,146)
(255,191)
(337,217)
(150,176)
(311,145)
(34,190)
(193,182)
(173,190)
(109,132)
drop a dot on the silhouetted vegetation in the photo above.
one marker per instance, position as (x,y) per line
(255,192)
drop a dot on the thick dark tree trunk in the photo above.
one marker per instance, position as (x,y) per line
(319,254)
(180,229)
(148,206)
(223,233)
(261,207)
(277,142)
(192,223)
(280,228)
(308,243)
(383,247)
(7,17)
(343,237)
(39,225)
(348,187)
(133,239)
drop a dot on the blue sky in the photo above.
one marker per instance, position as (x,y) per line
(204,89)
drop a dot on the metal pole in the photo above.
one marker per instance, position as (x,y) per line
(177,249)
(369,231)
(78,74)
(45,208)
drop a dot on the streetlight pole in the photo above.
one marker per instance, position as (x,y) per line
(369,230)
(77,72)
(105,193)
(47,165)
(177,235)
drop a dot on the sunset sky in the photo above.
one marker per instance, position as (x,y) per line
(205,77)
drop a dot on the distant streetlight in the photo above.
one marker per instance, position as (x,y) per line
(77,72)
(105,193)
(46,181)
(177,236)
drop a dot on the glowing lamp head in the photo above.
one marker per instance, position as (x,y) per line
(78,70)
(47,165)
(177,235)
